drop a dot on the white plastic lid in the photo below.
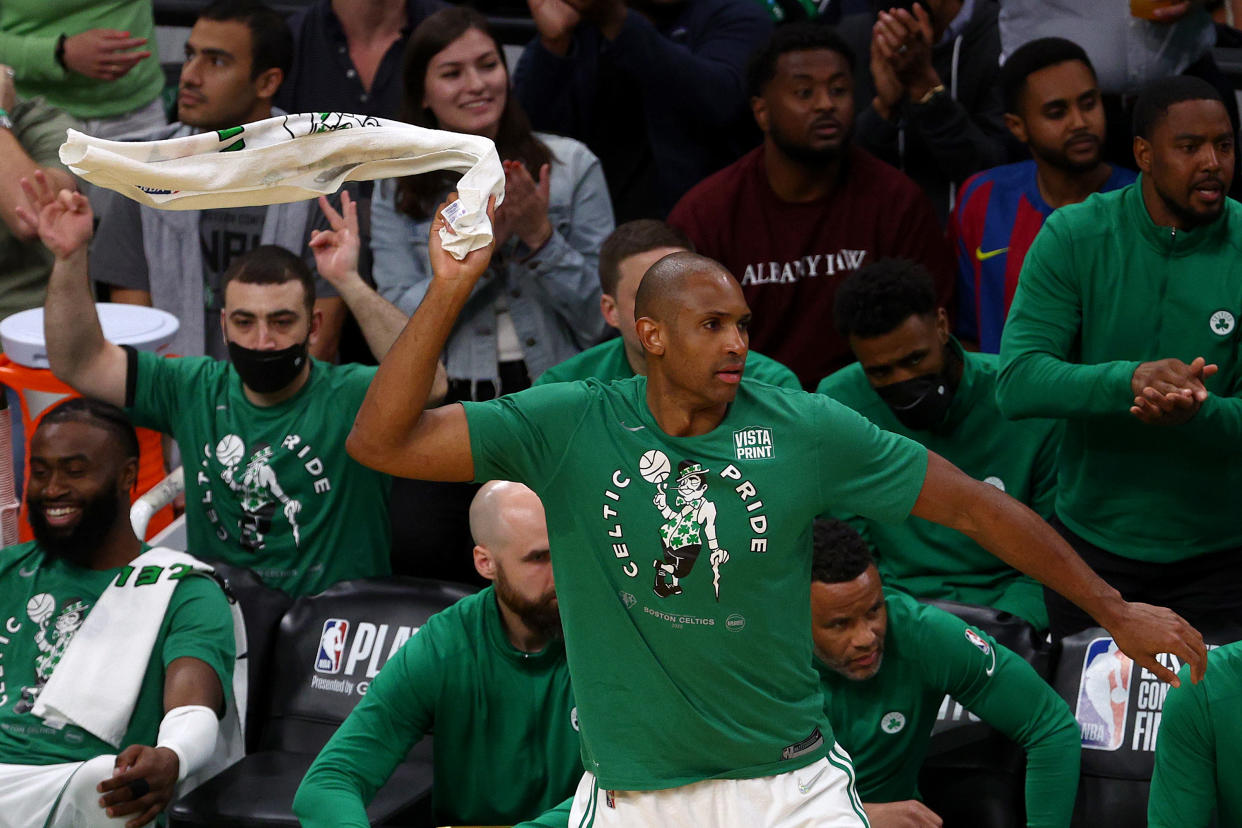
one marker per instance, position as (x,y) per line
(147,329)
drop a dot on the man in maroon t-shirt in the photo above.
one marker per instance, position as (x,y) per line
(794,217)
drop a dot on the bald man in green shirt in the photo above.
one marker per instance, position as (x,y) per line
(886,662)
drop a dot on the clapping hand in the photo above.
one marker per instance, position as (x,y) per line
(1170,392)
(904,42)
(63,220)
(524,212)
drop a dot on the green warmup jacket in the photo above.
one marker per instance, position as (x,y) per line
(505,725)
(606,362)
(885,722)
(1103,288)
(1199,752)
(926,559)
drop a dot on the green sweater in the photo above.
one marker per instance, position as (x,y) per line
(29,30)
(1198,754)
(506,739)
(932,561)
(607,362)
(885,722)
(1103,288)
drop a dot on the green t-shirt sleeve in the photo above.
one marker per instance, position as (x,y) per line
(861,468)
(557,817)
(523,436)
(766,369)
(1183,784)
(40,128)
(396,712)
(1037,378)
(199,624)
(999,687)
(157,387)
(32,56)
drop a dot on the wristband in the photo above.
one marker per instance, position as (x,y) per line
(938,89)
(60,52)
(190,732)
(5,121)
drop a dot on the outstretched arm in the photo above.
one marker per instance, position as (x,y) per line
(76,348)
(1018,536)
(392,433)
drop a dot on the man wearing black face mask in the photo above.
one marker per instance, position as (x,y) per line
(268,483)
(914,379)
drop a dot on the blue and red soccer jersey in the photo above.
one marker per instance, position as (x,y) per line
(998,214)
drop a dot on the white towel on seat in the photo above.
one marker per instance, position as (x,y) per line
(96,684)
(291,158)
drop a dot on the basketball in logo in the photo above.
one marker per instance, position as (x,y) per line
(230,449)
(40,607)
(654,466)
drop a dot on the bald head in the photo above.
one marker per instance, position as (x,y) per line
(659,292)
(499,506)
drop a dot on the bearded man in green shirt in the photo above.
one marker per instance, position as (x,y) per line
(915,379)
(886,662)
(1124,326)
(700,701)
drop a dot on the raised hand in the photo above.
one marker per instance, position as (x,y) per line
(556,21)
(1143,630)
(524,212)
(142,784)
(448,270)
(907,41)
(336,250)
(63,220)
(888,88)
(103,54)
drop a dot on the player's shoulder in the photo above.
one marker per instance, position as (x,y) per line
(847,385)
(16,555)
(583,365)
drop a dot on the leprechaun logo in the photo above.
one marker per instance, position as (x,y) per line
(689,523)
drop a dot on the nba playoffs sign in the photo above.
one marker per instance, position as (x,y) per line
(1119,704)
(351,653)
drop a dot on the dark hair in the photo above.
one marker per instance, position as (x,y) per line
(270,264)
(417,195)
(877,298)
(97,413)
(630,239)
(1029,58)
(803,36)
(271,41)
(840,555)
(1154,101)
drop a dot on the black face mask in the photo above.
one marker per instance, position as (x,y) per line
(920,403)
(266,372)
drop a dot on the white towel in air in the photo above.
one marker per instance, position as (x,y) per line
(291,158)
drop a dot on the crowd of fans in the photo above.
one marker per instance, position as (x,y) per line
(1000,229)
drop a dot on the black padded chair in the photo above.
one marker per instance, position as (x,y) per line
(974,776)
(262,608)
(328,649)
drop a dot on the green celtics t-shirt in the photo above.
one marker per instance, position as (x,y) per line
(683,565)
(607,362)
(885,722)
(43,603)
(270,488)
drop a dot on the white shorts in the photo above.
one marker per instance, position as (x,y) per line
(821,795)
(29,793)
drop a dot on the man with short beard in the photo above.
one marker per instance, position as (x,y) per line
(83,464)
(488,676)
(1125,326)
(808,207)
(1052,104)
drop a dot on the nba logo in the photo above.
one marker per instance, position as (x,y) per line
(1104,695)
(331,645)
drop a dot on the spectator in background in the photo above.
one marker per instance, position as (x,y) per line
(1128,52)
(798,214)
(31,132)
(268,485)
(236,56)
(655,89)
(886,662)
(487,676)
(1198,757)
(623,259)
(930,104)
(347,55)
(1115,294)
(914,379)
(1052,105)
(87,58)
